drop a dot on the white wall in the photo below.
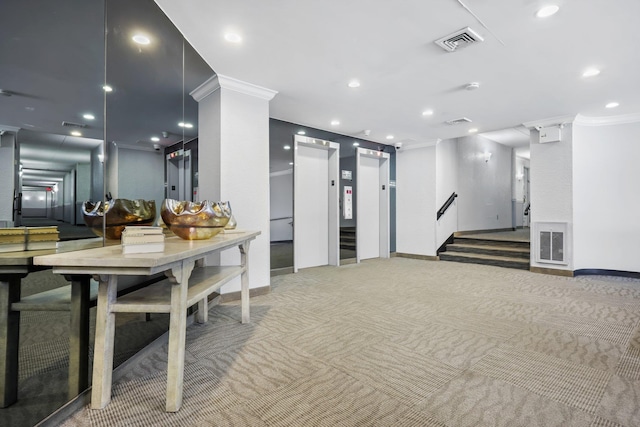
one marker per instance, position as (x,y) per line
(484,201)
(606,206)
(68,197)
(518,190)
(281,203)
(141,175)
(552,189)
(446,184)
(34,204)
(416,201)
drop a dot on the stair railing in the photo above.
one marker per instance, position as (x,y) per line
(446,205)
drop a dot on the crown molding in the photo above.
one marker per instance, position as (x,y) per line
(608,120)
(225,82)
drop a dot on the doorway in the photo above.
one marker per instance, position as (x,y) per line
(372,201)
(315,203)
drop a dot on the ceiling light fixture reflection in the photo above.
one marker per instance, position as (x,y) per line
(155,139)
(473,130)
(354,83)
(356,144)
(76,133)
(301,132)
(427,113)
(290,163)
(590,72)
(335,122)
(287,147)
(107,88)
(88,116)
(612,105)
(389,136)
(185,125)
(232,37)
(547,11)
(141,39)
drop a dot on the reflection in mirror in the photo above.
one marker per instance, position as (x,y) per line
(144,70)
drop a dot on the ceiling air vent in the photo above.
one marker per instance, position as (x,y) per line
(74,125)
(459,39)
(461,120)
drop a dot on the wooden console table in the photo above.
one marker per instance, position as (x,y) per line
(173,296)
(13,267)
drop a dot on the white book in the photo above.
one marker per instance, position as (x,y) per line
(144,248)
(139,239)
(38,246)
(141,230)
(12,247)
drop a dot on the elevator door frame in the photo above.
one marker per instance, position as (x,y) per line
(383,202)
(332,203)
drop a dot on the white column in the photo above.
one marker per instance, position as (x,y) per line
(8,167)
(233,163)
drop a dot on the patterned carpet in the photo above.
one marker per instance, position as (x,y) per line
(404,342)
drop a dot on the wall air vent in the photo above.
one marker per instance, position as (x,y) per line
(459,121)
(74,125)
(459,39)
(551,243)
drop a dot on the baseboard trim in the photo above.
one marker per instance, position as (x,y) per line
(551,271)
(281,271)
(235,296)
(491,230)
(415,256)
(601,272)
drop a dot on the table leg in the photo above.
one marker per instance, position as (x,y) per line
(9,335)
(177,335)
(105,334)
(244,282)
(79,335)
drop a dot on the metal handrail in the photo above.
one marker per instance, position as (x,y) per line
(446,205)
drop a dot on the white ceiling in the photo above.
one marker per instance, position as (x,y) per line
(528,68)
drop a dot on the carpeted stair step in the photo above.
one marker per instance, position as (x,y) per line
(497,249)
(474,258)
(468,240)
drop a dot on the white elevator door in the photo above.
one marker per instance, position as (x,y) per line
(369,208)
(311,219)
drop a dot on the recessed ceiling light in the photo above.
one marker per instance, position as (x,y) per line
(354,83)
(185,125)
(356,144)
(427,113)
(389,136)
(590,72)
(155,139)
(290,163)
(76,133)
(107,88)
(287,147)
(547,11)
(335,122)
(141,39)
(301,132)
(473,130)
(89,116)
(612,105)
(233,37)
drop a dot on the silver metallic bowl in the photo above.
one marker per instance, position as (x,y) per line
(117,214)
(195,220)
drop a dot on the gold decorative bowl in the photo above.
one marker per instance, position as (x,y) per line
(118,213)
(195,220)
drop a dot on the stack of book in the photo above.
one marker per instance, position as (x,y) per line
(142,239)
(39,238)
(12,239)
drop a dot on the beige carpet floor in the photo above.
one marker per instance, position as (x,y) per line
(402,342)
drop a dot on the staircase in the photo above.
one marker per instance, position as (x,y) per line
(348,238)
(500,253)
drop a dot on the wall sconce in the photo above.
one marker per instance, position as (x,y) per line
(486,156)
(101,158)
